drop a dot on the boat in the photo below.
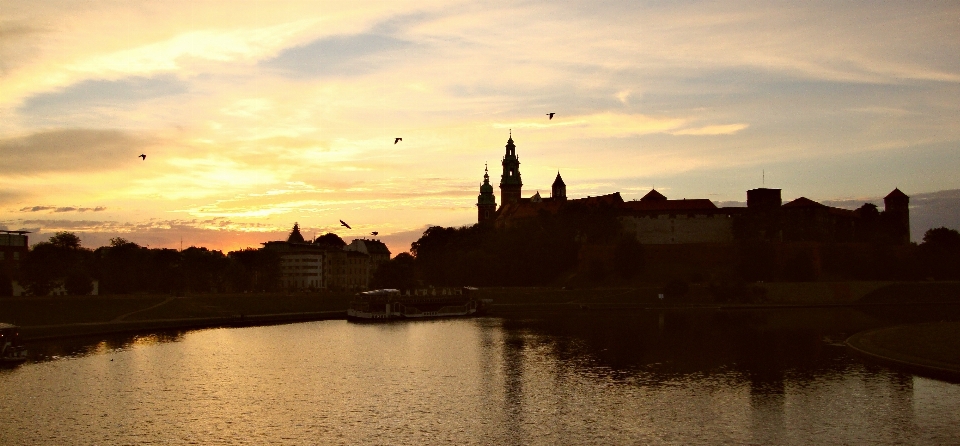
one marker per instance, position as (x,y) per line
(12,352)
(391,304)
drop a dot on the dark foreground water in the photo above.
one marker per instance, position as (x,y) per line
(601,377)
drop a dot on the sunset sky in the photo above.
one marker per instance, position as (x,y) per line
(256,115)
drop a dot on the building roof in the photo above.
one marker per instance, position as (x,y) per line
(896,194)
(367,246)
(608,199)
(558,181)
(806,203)
(653,195)
(376,247)
(803,202)
(699,204)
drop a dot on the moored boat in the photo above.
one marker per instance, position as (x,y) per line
(387,304)
(12,352)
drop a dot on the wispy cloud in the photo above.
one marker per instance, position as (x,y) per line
(37,208)
(70,150)
(60,209)
(724,129)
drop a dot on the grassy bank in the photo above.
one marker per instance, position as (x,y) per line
(67,315)
(932,348)
(79,315)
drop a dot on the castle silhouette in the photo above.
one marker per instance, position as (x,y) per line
(657,220)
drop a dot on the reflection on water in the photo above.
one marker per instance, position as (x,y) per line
(568,377)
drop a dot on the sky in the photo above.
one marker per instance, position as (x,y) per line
(257,115)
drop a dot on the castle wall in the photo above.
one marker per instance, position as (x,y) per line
(665,229)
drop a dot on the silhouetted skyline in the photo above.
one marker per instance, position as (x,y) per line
(260,117)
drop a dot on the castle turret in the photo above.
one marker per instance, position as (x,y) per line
(896,213)
(559,190)
(510,182)
(763,199)
(486,201)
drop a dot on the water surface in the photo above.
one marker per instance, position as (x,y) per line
(568,377)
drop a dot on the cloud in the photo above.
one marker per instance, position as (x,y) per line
(727,129)
(59,209)
(337,55)
(87,96)
(69,150)
(37,208)
(609,124)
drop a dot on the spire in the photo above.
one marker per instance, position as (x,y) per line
(559,189)
(295,236)
(486,201)
(510,182)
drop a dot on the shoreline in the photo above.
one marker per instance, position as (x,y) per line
(58,317)
(924,349)
(66,331)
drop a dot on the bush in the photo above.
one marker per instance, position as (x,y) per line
(78,284)
(737,292)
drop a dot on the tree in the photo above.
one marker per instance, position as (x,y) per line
(66,240)
(260,268)
(78,284)
(48,264)
(940,253)
(330,239)
(398,273)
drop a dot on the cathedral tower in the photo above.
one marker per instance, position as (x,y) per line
(510,183)
(559,189)
(486,201)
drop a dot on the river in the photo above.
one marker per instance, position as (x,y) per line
(564,377)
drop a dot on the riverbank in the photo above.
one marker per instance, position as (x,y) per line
(931,349)
(66,316)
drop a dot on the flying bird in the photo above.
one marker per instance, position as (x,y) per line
(342,223)
(374,233)
(396,140)
(551,115)
(143,156)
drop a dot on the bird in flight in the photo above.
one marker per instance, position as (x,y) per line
(374,233)
(396,140)
(143,156)
(551,115)
(342,223)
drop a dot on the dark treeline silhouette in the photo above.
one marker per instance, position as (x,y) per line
(553,250)
(535,251)
(575,246)
(125,267)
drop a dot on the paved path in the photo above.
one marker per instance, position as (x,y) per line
(124,316)
(931,349)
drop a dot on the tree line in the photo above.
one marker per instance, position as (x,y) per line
(125,267)
(548,250)
(545,250)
